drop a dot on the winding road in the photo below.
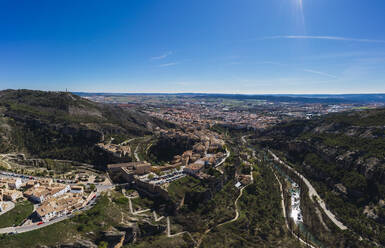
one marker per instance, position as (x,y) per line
(4,160)
(136,153)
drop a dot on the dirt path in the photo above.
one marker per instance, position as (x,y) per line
(226,222)
(156,217)
(177,234)
(236,209)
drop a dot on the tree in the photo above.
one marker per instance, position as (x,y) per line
(103,244)
(92,187)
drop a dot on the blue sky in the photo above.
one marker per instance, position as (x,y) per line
(221,46)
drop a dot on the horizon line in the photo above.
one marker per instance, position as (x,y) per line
(202,93)
(218,93)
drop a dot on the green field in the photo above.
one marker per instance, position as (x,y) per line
(16,215)
(99,218)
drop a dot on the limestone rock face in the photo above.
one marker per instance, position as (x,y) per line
(114,238)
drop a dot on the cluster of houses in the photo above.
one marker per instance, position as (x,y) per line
(116,150)
(207,152)
(197,162)
(128,170)
(52,199)
(9,189)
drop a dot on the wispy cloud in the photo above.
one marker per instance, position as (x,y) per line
(336,38)
(168,64)
(305,70)
(320,73)
(272,63)
(163,56)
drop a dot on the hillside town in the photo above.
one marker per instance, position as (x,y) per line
(208,151)
(51,199)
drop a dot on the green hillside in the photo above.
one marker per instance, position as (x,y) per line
(344,157)
(61,125)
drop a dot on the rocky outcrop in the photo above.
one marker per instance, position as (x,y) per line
(170,145)
(79,244)
(149,229)
(114,238)
(131,230)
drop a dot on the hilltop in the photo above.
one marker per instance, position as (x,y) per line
(61,125)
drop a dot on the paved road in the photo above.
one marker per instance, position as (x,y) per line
(136,153)
(3,159)
(27,228)
(312,193)
(127,141)
(224,159)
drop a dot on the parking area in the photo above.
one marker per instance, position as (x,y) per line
(167,177)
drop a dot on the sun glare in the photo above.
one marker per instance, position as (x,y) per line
(300,13)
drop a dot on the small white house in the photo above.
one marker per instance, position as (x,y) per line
(46,213)
(238,185)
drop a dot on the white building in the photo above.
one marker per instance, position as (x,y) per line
(76,189)
(39,198)
(59,192)
(15,183)
(238,185)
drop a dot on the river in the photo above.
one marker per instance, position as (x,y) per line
(295,208)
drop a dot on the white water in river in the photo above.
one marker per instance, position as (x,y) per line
(295,214)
